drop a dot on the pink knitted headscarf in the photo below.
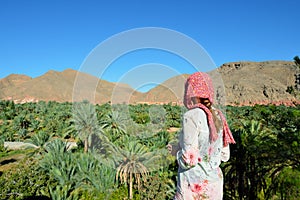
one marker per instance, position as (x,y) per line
(200,85)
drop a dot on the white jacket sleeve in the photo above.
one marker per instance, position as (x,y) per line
(188,142)
(225,154)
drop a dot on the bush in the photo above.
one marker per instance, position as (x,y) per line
(159,187)
(25,182)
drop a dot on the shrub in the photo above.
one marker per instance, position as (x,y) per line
(25,181)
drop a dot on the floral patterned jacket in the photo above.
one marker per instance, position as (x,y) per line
(199,175)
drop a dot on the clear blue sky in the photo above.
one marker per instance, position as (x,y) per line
(39,35)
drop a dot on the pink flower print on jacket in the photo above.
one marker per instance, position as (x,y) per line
(196,188)
(199,190)
(191,157)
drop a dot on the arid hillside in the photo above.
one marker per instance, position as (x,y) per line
(248,83)
(236,83)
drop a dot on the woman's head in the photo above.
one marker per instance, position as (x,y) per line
(198,87)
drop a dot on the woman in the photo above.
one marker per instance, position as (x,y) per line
(204,143)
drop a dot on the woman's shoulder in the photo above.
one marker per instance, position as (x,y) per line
(195,112)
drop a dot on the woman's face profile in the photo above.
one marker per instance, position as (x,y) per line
(197,100)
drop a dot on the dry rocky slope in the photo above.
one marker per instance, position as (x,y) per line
(236,83)
(248,83)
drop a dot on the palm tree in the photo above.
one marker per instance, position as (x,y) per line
(249,161)
(157,114)
(40,140)
(21,124)
(134,161)
(85,122)
(114,125)
(94,176)
(59,162)
(63,193)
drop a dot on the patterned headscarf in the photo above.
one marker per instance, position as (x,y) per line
(200,85)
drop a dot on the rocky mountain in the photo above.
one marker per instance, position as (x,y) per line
(248,83)
(236,83)
(60,86)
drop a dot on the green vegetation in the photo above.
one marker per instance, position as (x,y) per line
(295,89)
(121,151)
(297,60)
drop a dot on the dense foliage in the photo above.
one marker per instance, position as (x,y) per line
(122,152)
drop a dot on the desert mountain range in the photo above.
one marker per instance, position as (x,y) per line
(236,83)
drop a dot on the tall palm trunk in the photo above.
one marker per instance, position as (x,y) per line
(130,186)
(253,179)
(241,177)
(86,145)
